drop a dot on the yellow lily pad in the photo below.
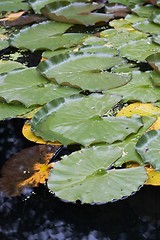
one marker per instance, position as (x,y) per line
(153,177)
(27,133)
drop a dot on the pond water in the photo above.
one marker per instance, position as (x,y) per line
(43,216)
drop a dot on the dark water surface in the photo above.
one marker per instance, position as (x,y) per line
(44,217)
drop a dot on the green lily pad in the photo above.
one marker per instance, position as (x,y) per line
(148,148)
(144,48)
(140,88)
(147,27)
(87,176)
(155,17)
(12,110)
(81,120)
(7,66)
(154,61)
(155,76)
(128,145)
(43,36)
(14,6)
(3,44)
(156,38)
(30,88)
(84,70)
(76,12)
(144,11)
(115,38)
(134,18)
(130,3)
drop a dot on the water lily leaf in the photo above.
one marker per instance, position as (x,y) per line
(121,24)
(156,38)
(144,48)
(28,168)
(144,11)
(84,70)
(3,43)
(7,66)
(128,145)
(125,68)
(117,10)
(141,109)
(130,3)
(87,176)
(148,148)
(27,133)
(155,125)
(14,6)
(147,27)
(115,38)
(140,89)
(12,110)
(154,61)
(153,177)
(38,4)
(155,17)
(81,120)
(134,18)
(93,41)
(49,29)
(76,12)
(33,90)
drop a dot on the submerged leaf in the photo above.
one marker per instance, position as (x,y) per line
(88,176)
(28,168)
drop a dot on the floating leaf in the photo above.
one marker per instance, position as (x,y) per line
(130,3)
(128,145)
(155,76)
(144,11)
(14,6)
(121,24)
(147,27)
(33,90)
(84,70)
(141,109)
(27,133)
(154,61)
(153,177)
(144,48)
(76,12)
(12,110)
(42,35)
(87,176)
(155,125)
(156,38)
(25,169)
(139,89)
(7,66)
(81,120)
(115,38)
(156,16)
(148,148)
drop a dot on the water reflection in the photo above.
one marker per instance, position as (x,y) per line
(44,217)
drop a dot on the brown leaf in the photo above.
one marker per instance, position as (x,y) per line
(22,20)
(25,169)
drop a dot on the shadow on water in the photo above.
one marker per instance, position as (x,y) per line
(43,216)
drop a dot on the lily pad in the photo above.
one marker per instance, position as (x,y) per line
(12,110)
(144,11)
(144,48)
(87,176)
(140,88)
(42,35)
(76,12)
(147,27)
(7,66)
(155,76)
(130,3)
(14,6)
(81,120)
(154,61)
(148,148)
(84,70)
(156,17)
(156,38)
(30,88)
